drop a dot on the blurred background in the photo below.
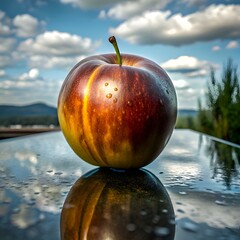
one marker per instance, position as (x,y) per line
(195,41)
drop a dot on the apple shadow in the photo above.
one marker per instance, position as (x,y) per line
(108,204)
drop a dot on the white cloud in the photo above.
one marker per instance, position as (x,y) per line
(200,73)
(187,93)
(4,24)
(188,66)
(41,61)
(232,44)
(13,84)
(5,61)
(58,44)
(160,27)
(180,84)
(7,45)
(56,49)
(26,25)
(183,63)
(216,48)
(14,90)
(125,10)
(2,73)
(31,75)
(4,29)
(30,79)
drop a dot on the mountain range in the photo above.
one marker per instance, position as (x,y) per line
(32,110)
(28,115)
(42,109)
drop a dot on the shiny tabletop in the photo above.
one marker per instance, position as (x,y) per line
(198,176)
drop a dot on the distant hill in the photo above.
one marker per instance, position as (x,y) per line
(41,109)
(37,109)
(33,114)
(187,113)
(42,114)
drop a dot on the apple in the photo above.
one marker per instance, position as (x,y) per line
(117,110)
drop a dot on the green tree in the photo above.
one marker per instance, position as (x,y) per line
(220,118)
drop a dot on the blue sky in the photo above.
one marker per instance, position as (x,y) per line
(41,40)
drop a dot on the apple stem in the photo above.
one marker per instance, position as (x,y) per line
(113,41)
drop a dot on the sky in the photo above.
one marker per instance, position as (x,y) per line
(41,40)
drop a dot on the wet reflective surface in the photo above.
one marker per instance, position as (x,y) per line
(201,176)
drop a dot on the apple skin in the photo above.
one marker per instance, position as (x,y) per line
(117,116)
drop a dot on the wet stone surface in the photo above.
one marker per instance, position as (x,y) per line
(37,173)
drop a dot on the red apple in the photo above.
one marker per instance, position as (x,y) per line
(117,111)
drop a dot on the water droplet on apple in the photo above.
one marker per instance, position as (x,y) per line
(106,84)
(143,212)
(162,231)
(190,226)
(156,219)
(115,100)
(115,89)
(129,103)
(219,202)
(109,95)
(131,227)
(182,193)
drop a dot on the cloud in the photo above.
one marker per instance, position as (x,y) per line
(31,75)
(29,87)
(180,84)
(26,25)
(188,66)
(47,62)
(4,24)
(56,49)
(232,44)
(8,56)
(23,25)
(28,79)
(125,10)
(14,84)
(5,61)
(7,45)
(8,84)
(216,48)
(161,27)
(58,44)
(2,73)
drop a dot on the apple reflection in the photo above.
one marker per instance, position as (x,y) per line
(105,204)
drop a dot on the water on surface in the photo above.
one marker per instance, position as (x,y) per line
(201,175)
